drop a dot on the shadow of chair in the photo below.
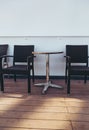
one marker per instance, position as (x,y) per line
(23,63)
(76,63)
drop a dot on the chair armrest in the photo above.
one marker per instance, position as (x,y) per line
(68,58)
(6,56)
(1,60)
(68,61)
(30,60)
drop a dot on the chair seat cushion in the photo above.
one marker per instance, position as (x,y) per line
(18,69)
(79,70)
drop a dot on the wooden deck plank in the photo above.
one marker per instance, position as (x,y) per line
(54,111)
(24,123)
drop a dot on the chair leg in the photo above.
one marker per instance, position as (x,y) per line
(85,78)
(68,85)
(2,83)
(33,75)
(15,77)
(29,83)
(65,78)
(66,75)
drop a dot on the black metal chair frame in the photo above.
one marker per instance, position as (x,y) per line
(76,54)
(18,69)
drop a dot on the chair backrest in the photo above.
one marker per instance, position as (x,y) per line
(3,49)
(21,52)
(78,53)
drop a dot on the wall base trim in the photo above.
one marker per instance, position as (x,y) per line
(44,77)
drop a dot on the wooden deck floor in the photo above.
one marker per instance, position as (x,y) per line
(54,111)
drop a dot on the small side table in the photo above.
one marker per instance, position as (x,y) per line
(48,82)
